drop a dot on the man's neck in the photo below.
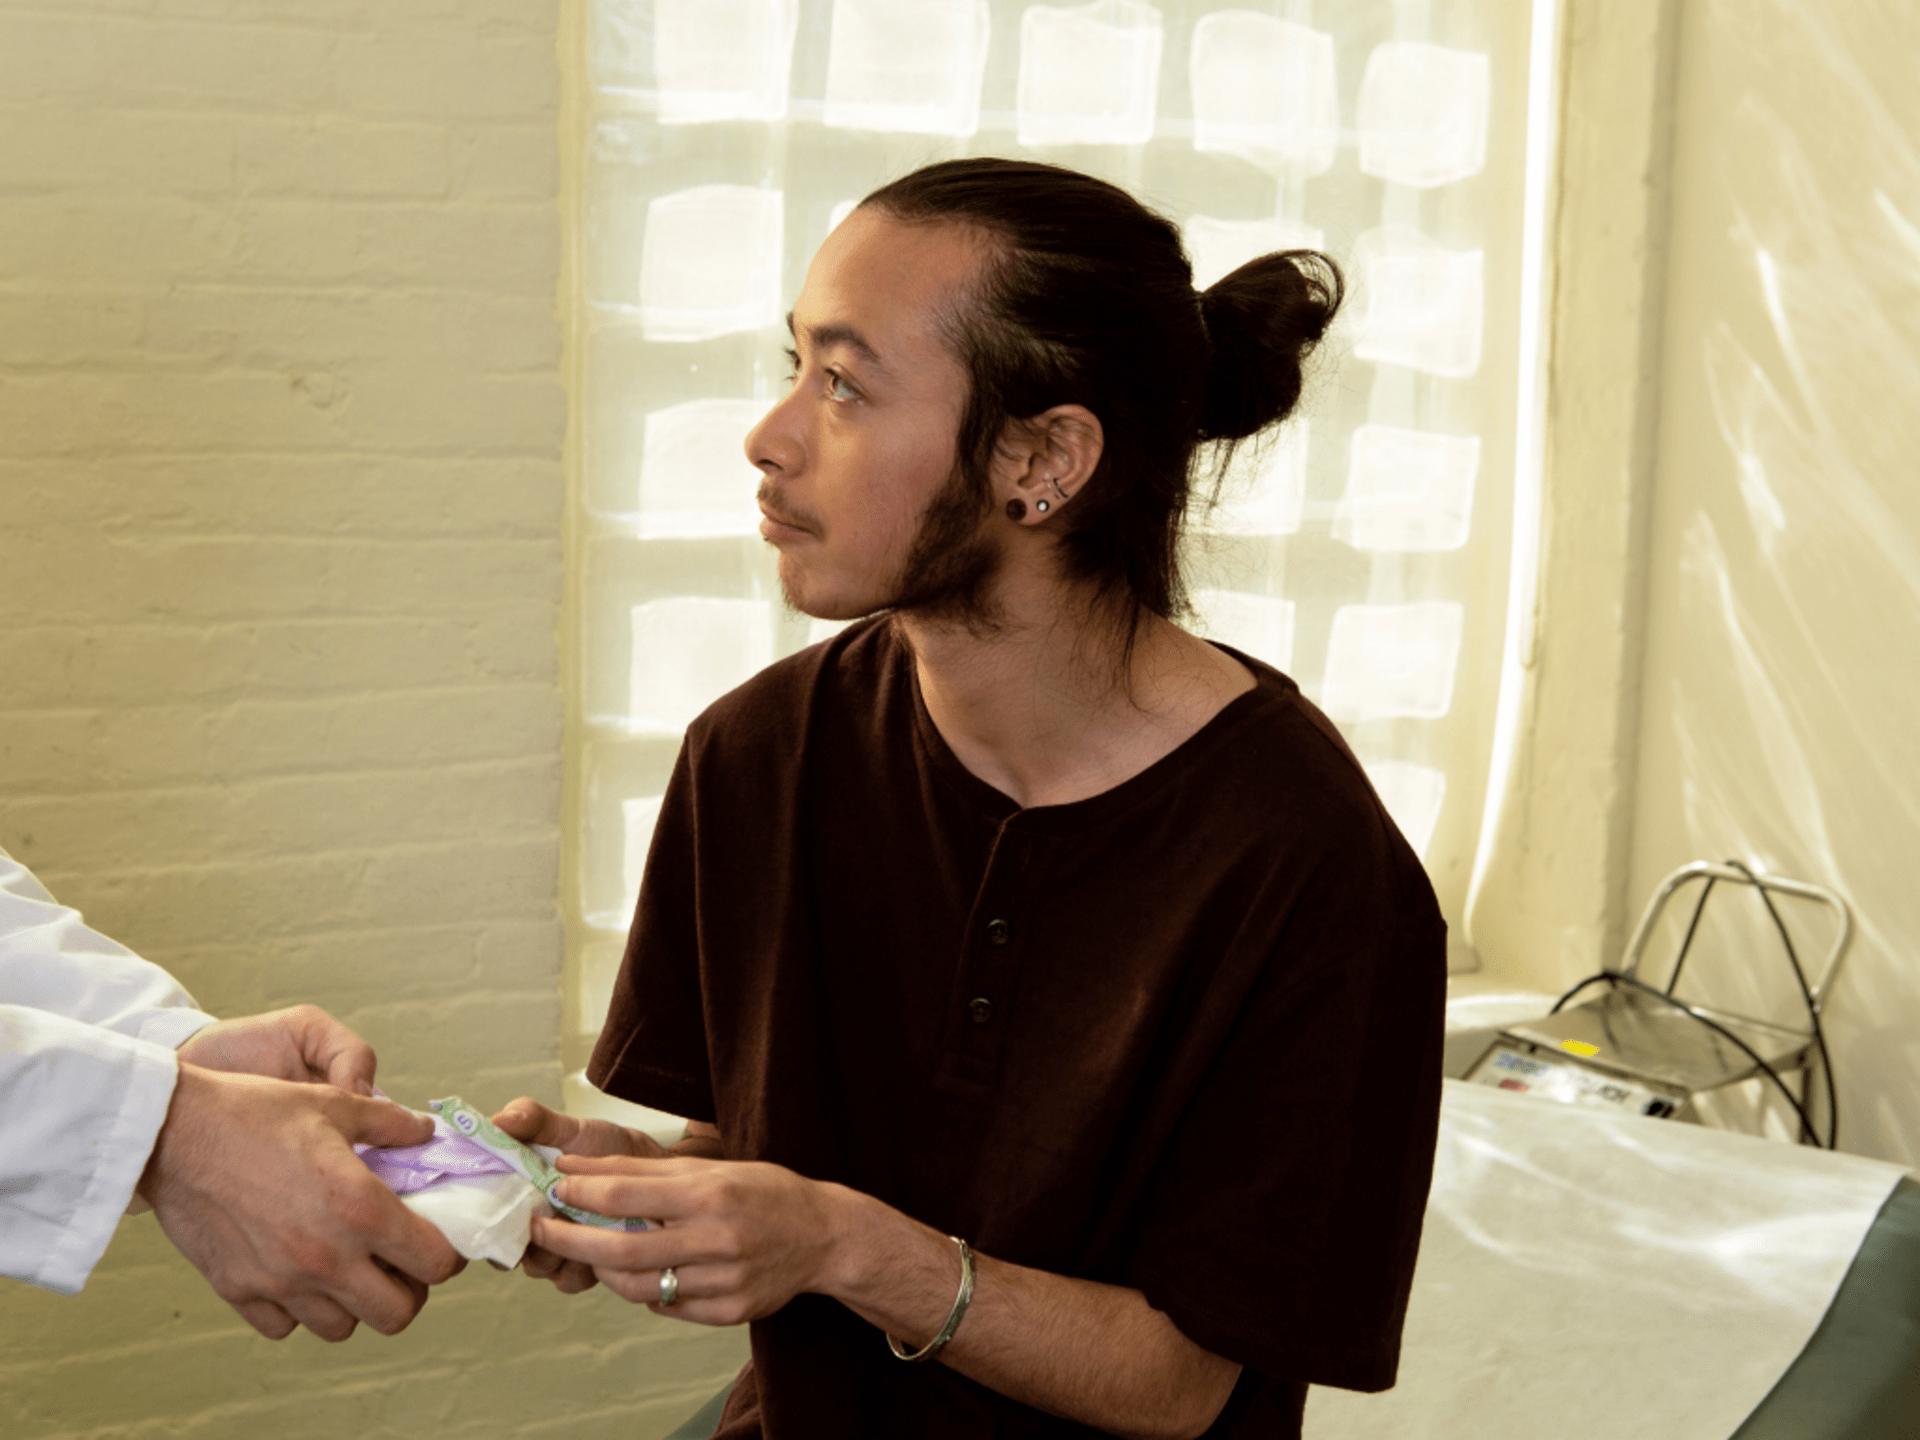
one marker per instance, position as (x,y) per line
(1045,711)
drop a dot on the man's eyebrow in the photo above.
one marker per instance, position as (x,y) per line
(823,337)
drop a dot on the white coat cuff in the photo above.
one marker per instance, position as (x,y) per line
(84,1107)
(173,1028)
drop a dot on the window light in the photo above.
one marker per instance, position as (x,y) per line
(1413,795)
(640,816)
(1219,247)
(1263,89)
(1389,661)
(1408,490)
(723,59)
(908,65)
(694,476)
(1089,75)
(688,652)
(1423,114)
(710,264)
(1257,625)
(1264,489)
(1423,304)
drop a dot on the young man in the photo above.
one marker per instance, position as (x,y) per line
(1019,918)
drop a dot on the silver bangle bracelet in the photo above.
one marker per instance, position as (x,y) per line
(960,1302)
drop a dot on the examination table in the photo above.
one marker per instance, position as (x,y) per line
(1612,1277)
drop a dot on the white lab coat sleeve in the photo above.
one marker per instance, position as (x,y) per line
(87,1069)
(50,960)
(79,1109)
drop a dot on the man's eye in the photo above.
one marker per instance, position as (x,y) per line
(793,365)
(838,388)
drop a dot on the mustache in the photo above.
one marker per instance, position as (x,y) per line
(798,519)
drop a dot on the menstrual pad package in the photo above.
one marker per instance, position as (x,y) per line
(478,1185)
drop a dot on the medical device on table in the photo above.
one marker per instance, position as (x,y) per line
(1638,1048)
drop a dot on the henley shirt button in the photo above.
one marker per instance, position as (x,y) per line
(999,932)
(981,1009)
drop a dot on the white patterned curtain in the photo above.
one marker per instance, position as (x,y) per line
(1364,549)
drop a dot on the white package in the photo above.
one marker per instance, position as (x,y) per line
(908,65)
(1391,661)
(1256,625)
(1089,75)
(1423,113)
(1263,89)
(689,651)
(484,1217)
(723,59)
(695,479)
(710,263)
(1423,303)
(1408,490)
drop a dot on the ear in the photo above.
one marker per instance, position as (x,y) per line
(1046,460)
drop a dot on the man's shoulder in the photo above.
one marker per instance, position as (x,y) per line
(1288,778)
(1288,753)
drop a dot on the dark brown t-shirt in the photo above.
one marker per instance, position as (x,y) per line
(1183,1036)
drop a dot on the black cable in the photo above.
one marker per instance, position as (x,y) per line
(1617,977)
(1686,944)
(1590,980)
(1813,1010)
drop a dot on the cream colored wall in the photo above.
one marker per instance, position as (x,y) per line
(280,456)
(1550,901)
(1782,679)
(1728,635)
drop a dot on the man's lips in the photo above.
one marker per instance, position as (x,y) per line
(773,523)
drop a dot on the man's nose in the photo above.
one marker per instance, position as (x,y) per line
(776,446)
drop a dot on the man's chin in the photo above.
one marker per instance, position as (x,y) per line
(944,586)
(812,606)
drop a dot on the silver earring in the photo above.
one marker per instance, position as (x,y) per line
(1054,480)
(1042,506)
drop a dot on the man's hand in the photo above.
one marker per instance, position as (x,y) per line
(302,1043)
(529,1121)
(532,1123)
(255,1181)
(743,1238)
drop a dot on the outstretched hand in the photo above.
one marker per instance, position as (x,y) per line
(532,1123)
(529,1121)
(254,1179)
(301,1043)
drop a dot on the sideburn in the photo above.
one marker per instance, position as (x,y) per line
(950,563)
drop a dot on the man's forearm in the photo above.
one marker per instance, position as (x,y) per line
(1097,1354)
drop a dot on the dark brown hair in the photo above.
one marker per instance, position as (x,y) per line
(1088,299)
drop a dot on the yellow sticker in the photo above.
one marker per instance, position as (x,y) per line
(1579,1047)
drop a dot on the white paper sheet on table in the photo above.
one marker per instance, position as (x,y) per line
(1610,1277)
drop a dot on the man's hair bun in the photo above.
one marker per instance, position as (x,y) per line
(1263,320)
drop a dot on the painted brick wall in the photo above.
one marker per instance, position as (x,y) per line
(280,569)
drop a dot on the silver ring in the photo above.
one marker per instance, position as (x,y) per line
(1054,480)
(669,1286)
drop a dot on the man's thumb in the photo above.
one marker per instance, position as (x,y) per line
(383,1124)
(530,1122)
